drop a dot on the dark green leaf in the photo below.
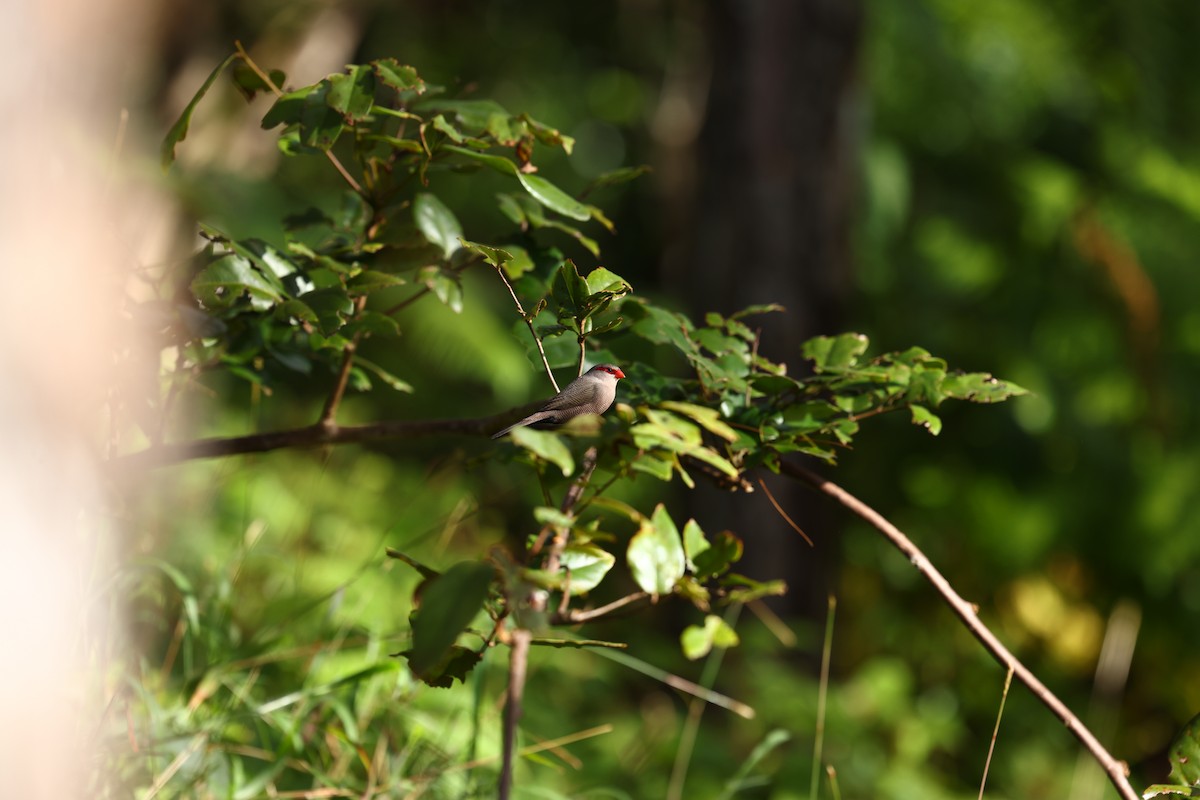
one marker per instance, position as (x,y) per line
(179,130)
(221,283)
(437,222)
(569,290)
(538,187)
(835,352)
(448,604)
(352,94)
(492,255)
(722,552)
(320,125)
(331,306)
(619,176)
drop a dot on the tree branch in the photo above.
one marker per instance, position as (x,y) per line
(310,436)
(1117,770)
(518,659)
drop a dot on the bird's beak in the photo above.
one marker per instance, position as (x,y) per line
(620,374)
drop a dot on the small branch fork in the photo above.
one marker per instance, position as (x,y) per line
(1117,771)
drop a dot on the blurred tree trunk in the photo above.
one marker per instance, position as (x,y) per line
(766,218)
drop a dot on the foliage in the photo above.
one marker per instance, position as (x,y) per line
(343,275)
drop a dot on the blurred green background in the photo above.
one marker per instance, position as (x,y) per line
(1013,185)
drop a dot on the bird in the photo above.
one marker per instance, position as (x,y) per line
(591,393)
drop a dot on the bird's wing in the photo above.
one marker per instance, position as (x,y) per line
(573,397)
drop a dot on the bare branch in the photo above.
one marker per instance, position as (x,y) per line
(1117,770)
(518,660)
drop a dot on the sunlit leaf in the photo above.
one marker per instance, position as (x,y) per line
(546,446)
(698,641)
(655,553)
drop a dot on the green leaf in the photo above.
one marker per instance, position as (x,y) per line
(320,125)
(179,130)
(1184,754)
(388,378)
(520,263)
(221,283)
(746,589)
(583,567)
(926,419)
(979,387)
(548,515)
(569,290)
(722,552)
(831,353)
(547,135)
(707,418)
(538,187)
(1164,790)
(603,280)
(697,641)
(437,223)
(492,255)
(398,76)
(331,306)
(546,446)
(448,604)
(480,116)
(616,177)
(250,83)
(352,94)
(694,542)
(370,280)
(655,554)
(456,664)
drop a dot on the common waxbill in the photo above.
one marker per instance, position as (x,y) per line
(590,393)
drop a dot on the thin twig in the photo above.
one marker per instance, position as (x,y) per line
(1117,770)
(784,514)
(582,355)
(995,732)
(270,84)
(529,324)
(595,613)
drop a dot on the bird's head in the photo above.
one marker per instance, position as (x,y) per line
(607,369)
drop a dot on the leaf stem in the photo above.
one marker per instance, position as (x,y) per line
(529,324)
